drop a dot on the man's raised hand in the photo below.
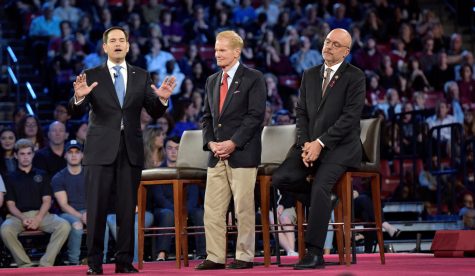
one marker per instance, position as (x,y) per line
(165,90)
(81,89)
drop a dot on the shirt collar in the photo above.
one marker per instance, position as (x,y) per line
(111,65)
(334,67)
(231,72)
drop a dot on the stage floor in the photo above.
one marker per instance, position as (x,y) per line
(367,264)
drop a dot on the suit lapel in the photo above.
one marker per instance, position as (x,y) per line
(215,88)
(130,81)
(235,82)
(335,77)
(110,88)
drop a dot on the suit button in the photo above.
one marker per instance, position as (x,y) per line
(219,125)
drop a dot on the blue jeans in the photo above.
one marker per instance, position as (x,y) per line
(165,218)
(74,239)
(112,225)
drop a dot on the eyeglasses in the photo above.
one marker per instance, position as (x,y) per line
(334,44)
(31,125)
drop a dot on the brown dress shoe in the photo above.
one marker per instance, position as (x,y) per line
(209,265)
(238,264)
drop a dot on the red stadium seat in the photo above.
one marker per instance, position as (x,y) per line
(178,51)
(206,52)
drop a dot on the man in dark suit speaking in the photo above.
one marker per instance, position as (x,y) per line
(232,124)
(115,93)
(328,138)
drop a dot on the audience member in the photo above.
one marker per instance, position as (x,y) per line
(7,143)
(163,202)
(50,158)
(30,128)
(28,200)
(69,189)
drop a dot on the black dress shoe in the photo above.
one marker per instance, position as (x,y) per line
(94,271)
(238,264)
(125,268)
(209,265)
(310,261)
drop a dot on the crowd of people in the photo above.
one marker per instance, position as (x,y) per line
(407,59)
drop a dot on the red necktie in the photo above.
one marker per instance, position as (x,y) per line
(223,90)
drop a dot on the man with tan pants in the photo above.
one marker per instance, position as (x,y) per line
(28,199)
(232,120)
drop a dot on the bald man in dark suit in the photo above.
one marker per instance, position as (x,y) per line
(330,104)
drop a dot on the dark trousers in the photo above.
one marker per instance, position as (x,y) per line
(291,176)
(112,185)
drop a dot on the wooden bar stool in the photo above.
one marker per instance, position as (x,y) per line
(191,168)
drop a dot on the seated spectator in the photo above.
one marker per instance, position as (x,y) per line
(2,193)
(467,84)
(271,10)
(163,202)
(467,204)
(305,57)
(286,215)
(244,13)
(469,123)
(69,187)
(441,72)
(80,132)
(47,24)
(442,117)
(339,19)
(7,143)
(368,58)
(111,228)
(28,200)
(167,123)
(135,56)
(151,11)
(172,30)
(392,104)
(183,113)
(283,117)
(452,95)
(67,11)
(197,29)
(30,128)
(154,150)
(50,158)
(417,78)
(467,58)
(273,95)
(157,58)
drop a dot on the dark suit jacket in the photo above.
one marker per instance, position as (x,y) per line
(241,118)
(335,118)
(103,136)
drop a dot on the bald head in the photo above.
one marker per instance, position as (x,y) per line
(336,46)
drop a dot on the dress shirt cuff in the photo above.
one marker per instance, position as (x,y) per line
(164,101)
(78,101)
(321,143)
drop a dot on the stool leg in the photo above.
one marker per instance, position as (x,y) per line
(141,201)
(339,221)
(376,194)
(300,230)
(265,201)
(347,195)
(184,225)
(177,194)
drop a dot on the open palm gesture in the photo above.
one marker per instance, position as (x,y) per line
(165,90)
(81,89)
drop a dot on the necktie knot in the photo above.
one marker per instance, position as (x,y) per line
(117,68)
(225,78)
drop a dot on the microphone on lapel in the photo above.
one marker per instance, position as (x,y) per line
(116,76)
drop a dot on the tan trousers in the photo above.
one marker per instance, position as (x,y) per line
(58,227)
(222,183)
